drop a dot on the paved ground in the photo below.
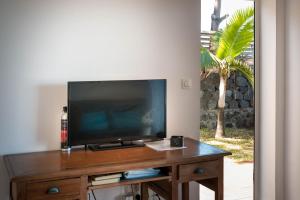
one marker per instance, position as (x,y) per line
(238,182)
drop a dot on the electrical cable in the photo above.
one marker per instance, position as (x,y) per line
(132,191)
(157,196)
(93,194)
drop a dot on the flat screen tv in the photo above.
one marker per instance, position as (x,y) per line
(110,111)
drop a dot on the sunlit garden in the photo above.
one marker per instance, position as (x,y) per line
(240,142)
(227,90)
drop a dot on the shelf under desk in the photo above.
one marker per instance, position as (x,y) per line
(129,182)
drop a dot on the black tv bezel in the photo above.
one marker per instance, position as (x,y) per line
(115,139)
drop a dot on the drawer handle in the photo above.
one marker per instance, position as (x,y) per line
(199,171)
(53,190)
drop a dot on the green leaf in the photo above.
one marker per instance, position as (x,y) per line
(237,35)
(244,69)
(215,40)
(208,60)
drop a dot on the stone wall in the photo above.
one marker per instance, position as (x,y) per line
(239,110)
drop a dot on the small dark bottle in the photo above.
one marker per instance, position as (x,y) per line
(64,130)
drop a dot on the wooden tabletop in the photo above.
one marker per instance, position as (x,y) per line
(75,163)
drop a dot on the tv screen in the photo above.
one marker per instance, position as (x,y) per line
(108,111)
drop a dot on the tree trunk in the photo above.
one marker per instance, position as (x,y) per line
(216,18)
(216,15)
(220,132)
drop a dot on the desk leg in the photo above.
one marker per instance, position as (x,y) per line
(174,190)
(174,183)
(185,191)
(144,191)
(219,192)
(216,184)
(84,185)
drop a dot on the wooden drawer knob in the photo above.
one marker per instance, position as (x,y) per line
(199,171)
(53,190)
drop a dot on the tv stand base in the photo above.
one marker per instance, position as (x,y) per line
(119,145)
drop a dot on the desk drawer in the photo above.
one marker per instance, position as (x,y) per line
(198,171)
(58,189)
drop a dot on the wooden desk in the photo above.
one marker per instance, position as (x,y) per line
(33,174)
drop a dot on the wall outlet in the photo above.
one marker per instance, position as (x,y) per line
(186,83)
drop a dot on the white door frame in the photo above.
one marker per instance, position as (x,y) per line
(269,99)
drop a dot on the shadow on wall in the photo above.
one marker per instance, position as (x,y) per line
(4,182)
(51,99)
(45,118)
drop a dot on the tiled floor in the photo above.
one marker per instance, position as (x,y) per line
(238,182)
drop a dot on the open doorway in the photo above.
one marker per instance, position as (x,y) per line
(227,117)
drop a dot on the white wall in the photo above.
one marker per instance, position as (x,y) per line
(44,44)
(292,133)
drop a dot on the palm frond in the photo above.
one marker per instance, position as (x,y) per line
(208,60)
(244,69)
(238,34)
(215,40)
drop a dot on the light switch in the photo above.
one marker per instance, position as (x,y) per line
(186,84)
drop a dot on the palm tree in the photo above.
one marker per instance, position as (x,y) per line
(223,59)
